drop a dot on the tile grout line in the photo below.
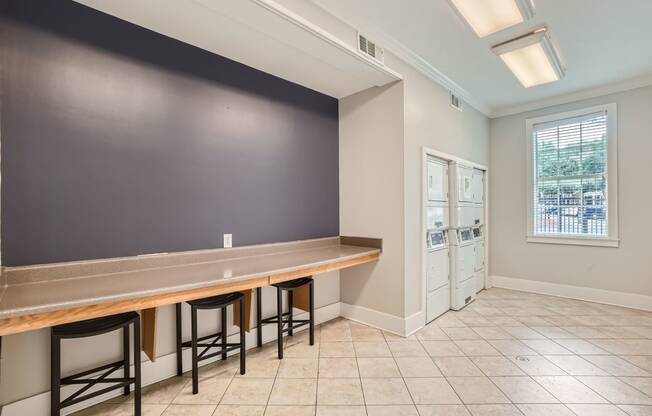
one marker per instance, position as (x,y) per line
(633,349)
(414,404)
(440,370)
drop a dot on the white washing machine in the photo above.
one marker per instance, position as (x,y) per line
(463,284)
(477,184)
(478,247)
(437,274)
(438,296)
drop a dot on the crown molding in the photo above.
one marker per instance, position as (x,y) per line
(411,58)
(584,94)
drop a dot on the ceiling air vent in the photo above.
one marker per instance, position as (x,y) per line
(370,48)
(456,103)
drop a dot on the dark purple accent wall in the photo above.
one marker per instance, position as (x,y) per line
(118,141)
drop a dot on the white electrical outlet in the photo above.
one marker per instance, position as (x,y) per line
(228,240)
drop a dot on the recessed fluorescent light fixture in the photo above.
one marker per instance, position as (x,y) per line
(532,58)
(490,16)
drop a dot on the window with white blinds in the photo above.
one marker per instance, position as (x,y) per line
(570,175)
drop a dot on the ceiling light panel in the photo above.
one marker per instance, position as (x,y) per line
(531,58)
(490,16)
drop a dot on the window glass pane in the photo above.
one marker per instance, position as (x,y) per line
(570,190)
(547,207)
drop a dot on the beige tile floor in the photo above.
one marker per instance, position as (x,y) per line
(508,353)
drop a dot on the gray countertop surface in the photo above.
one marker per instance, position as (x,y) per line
(29,298)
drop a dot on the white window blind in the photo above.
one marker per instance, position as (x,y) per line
(570,176)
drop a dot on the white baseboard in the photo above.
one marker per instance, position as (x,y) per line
(381,320)
(488,282)
(414,322)
(152,372)
(609,297)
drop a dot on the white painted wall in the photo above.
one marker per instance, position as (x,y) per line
(371,194)
(431,122)
(382,131)
(624,269)
(26,364)
(376,129)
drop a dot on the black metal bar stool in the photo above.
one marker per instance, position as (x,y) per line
(287,318)
(220,302)
(91,328)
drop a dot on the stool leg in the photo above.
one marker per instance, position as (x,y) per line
(193,342)
(290,316)
(259,317)
(242,337)
(224,333)
(125,356)
(195,370)
(55,375)
(137,382)
(312,313)
(179,341)
(279,326)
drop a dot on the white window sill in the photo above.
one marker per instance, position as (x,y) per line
(576,241)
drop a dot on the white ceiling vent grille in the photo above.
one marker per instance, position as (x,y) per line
(370,48)
(456,103)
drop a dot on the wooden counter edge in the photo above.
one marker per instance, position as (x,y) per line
(26,323)
(48,319)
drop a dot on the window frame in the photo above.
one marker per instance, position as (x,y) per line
(612,238)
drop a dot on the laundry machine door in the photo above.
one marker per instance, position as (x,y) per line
(437,180)
(438,269)
(467,262)
(479,255)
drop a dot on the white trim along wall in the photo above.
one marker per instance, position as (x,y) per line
(589,294)
(165,366)
(152,372)
(618,275)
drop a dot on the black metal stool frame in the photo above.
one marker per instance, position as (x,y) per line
(286,318)
(196,342)
(70,331)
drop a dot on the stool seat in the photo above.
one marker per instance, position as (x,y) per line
(285,322)
(89,382)
(216,301)
(293,284)
(216,342)
(94,326)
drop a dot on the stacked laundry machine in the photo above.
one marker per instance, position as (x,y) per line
(479,228)
(437,225)
(462,248)
(455,232)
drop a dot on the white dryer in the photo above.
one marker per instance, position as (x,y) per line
(466,214)
(466,200)
(437,215)
(437,210)
(437,274)
(463,284)
(477,185)
(437,177)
